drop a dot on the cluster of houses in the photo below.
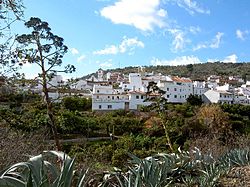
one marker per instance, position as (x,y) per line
(113,91)
(131,92)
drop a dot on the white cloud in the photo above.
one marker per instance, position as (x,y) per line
(107,64)
(212,60)
(241,34)
(183,60)
(142,14)
(231,58)
(179,41)
(74,51)
(200,46)
(194,30)
(81,58)
(127,45)
(109,50)
(130,44)
(215,43)
(191,6)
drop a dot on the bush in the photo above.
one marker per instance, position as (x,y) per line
(76,103)
(74,122)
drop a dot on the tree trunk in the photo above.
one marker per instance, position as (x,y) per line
(50,114)
(167,136)
(48,101)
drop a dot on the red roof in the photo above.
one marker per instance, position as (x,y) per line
(178,79)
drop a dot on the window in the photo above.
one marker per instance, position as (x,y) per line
(167,89)
(137,97)
(113,97)
(97,91)
(117,97)
(141,96)
(108,96)
(175,96)
(109,106)
(100,106)
(97,96)
(167,96)
(175,89)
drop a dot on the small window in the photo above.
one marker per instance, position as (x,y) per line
(109,106)
(108,96)
(141,96)
(167,89)
(175,96)
(137,97)
(113,97)
(100,106)
(97,96)
(175,89)
(167,96)
(117,97)
(97,91)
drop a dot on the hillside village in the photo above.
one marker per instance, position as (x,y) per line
(113,91)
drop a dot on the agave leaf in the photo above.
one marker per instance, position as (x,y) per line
(122,184)
(9,181)
(58,154)
(37,167)
(82,179)
(67,172)
(52,169)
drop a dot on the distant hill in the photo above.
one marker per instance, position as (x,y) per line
(194,71)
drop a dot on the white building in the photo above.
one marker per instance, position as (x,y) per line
(107,98)
(81,85)
(199,87)
(177,89)
(218,96)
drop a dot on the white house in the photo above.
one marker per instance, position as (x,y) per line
(218,96)
(81,85)
(137,100)
(107,98)
(177,89)
(199,87)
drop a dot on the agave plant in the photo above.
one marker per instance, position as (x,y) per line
(39,172)
(178,169)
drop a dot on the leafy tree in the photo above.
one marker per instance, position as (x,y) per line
(76,103)
(194,100)
(44,49)
(155,94)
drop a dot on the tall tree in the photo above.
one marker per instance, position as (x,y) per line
(46,50)
(155,94)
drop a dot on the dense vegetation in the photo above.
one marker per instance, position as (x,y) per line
(140,133)
(195,71)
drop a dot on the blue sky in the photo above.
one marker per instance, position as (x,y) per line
(118,33)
